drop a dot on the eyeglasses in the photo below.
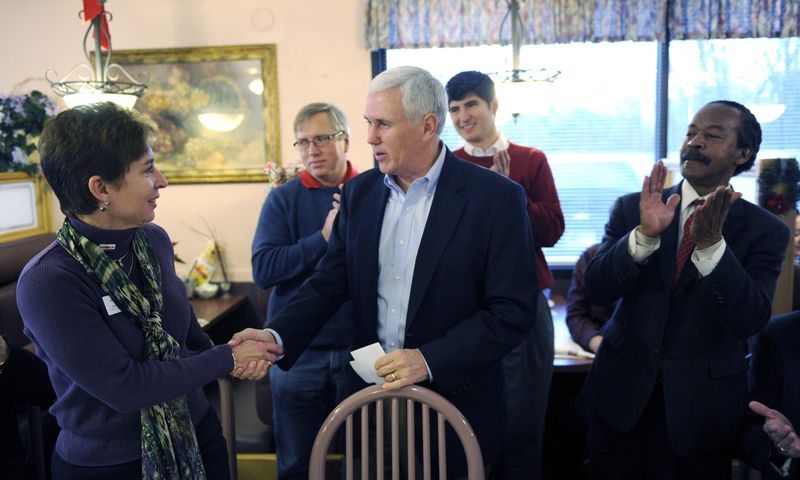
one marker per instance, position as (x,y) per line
(320,141)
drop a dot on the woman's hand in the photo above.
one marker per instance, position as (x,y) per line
(252,357)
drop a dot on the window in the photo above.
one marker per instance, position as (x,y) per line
(597,122)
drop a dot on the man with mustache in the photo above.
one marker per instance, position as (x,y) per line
(668,390)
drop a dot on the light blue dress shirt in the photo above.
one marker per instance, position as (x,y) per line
(401,232)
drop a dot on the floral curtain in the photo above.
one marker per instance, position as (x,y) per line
(707,19)
(459,23)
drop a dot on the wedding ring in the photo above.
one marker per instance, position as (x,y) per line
(393,377)
(783,450)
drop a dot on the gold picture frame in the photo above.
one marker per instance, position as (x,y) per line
(216,109)
(30,214)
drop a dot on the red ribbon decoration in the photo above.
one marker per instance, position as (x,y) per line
(91,9)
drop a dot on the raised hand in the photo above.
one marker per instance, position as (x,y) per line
(502,163)
(710,217)
(401,368)
(779,429)
(328,226)
(655,215)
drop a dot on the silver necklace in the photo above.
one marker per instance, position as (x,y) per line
(119,263)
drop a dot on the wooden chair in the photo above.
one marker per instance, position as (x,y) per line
(225,408)
(428,401)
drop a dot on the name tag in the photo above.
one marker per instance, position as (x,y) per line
(111,307)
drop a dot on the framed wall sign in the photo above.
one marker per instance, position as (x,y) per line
(27,212)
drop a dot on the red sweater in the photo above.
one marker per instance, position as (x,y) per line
(529,168)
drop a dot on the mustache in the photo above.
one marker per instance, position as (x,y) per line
(695,155)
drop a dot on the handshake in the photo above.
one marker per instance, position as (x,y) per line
(254,351)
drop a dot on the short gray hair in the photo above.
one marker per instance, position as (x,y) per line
(337,118)
(422,93)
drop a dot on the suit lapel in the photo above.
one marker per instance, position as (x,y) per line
(370,231)
(443,218)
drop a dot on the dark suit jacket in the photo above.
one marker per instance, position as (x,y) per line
(774,381)
(24,381)
(473,294)
(691,335)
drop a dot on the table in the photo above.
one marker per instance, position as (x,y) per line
(571,364)
(210,311)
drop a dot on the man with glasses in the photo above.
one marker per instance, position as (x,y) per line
(291,237)
(528,368)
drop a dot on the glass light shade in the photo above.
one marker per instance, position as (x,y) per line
(88,98)
(221,122)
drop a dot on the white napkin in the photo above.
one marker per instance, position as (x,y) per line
(364,362)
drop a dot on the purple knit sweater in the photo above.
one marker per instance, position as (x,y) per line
(95,360)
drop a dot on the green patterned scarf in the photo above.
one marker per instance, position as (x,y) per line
(169,445)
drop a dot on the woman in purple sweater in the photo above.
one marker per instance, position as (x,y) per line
(110,317)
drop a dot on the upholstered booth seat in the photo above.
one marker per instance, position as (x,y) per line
(13,257)
(38,430)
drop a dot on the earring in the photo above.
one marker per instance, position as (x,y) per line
(103,208)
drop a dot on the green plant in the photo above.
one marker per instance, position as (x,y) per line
(22,118)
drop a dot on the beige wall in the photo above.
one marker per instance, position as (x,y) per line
(321,57)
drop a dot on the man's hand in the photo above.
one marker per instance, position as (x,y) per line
(401,368)
(779,429)
(709,217)
(502,163)
(594,343)
(655,215)
(260,343)
(328,226)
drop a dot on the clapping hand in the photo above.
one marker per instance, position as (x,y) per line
(655,215)
(254,352)
(501,163)
(328,225)
(709,217)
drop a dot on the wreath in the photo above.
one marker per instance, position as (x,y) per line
(777,185)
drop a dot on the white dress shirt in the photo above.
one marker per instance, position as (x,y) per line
(401,232)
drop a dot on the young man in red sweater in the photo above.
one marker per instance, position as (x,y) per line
(529,367)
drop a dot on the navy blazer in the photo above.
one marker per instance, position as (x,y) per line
(774,381)
(691,335)
(473,294)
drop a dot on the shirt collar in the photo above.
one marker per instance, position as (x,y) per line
(312,183)
(431,177)
(688,195)
(500,144)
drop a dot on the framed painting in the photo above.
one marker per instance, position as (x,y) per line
(29,215)
(216,109)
